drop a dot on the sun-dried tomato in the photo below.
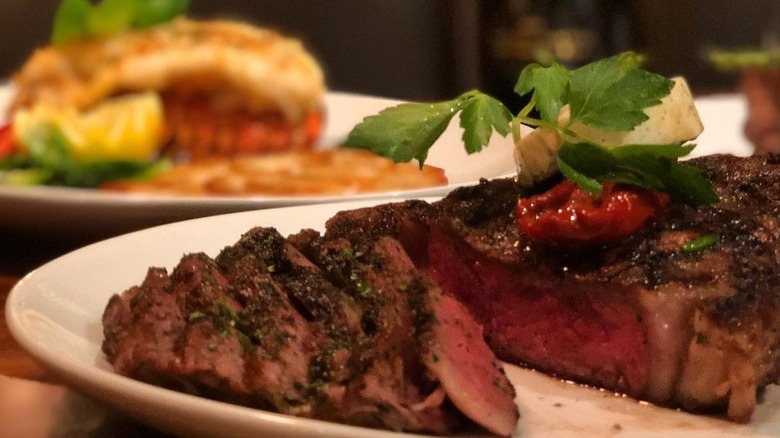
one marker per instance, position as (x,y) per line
(7,142)
(567,216)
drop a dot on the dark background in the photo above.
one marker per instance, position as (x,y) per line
(434,49)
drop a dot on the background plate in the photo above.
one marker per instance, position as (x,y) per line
(83,215)
(723,116)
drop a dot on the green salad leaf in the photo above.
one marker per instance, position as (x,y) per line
(609,95)
(48,161)
(81,18)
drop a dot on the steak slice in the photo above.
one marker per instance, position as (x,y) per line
(449,340)
(339,330)
(696,330)
(155,335)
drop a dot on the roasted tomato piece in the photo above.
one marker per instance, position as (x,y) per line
(567,216)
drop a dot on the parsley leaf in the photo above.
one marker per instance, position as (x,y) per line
(407,131)
(481,115)
(550,86)
(651,166)
(403,132)
(620,107)
(610,94)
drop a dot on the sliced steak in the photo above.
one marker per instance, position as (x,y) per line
(697,330)
(334,329)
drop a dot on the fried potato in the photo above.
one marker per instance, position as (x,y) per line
(295,173)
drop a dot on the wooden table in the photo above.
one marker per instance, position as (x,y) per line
(33,403)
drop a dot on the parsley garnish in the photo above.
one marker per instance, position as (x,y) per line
(406,132)
(651,166)
(609,95)
(81,18)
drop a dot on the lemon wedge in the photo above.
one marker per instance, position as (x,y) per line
(127,127)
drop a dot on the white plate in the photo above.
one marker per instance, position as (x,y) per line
(86,214)
(55,313)
(723,117)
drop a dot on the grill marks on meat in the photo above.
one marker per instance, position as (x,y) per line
(327,328)
(156,336)
(386,379)
(278,339)
(450,340)
(694,330)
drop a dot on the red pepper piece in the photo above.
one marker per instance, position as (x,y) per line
(567,216)
(7,142)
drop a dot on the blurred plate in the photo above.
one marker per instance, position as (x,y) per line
(55,313)
(723,117)
(88,214)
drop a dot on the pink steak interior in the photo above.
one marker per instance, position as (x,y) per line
(590,333)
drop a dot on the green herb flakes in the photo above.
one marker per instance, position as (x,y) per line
(196,315)
(701,243)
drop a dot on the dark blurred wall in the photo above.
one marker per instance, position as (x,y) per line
(434,49)
(400,48)
(24,25)
(677,34)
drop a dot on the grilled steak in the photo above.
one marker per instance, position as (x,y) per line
(344,330)
(362,326)
(696,330)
